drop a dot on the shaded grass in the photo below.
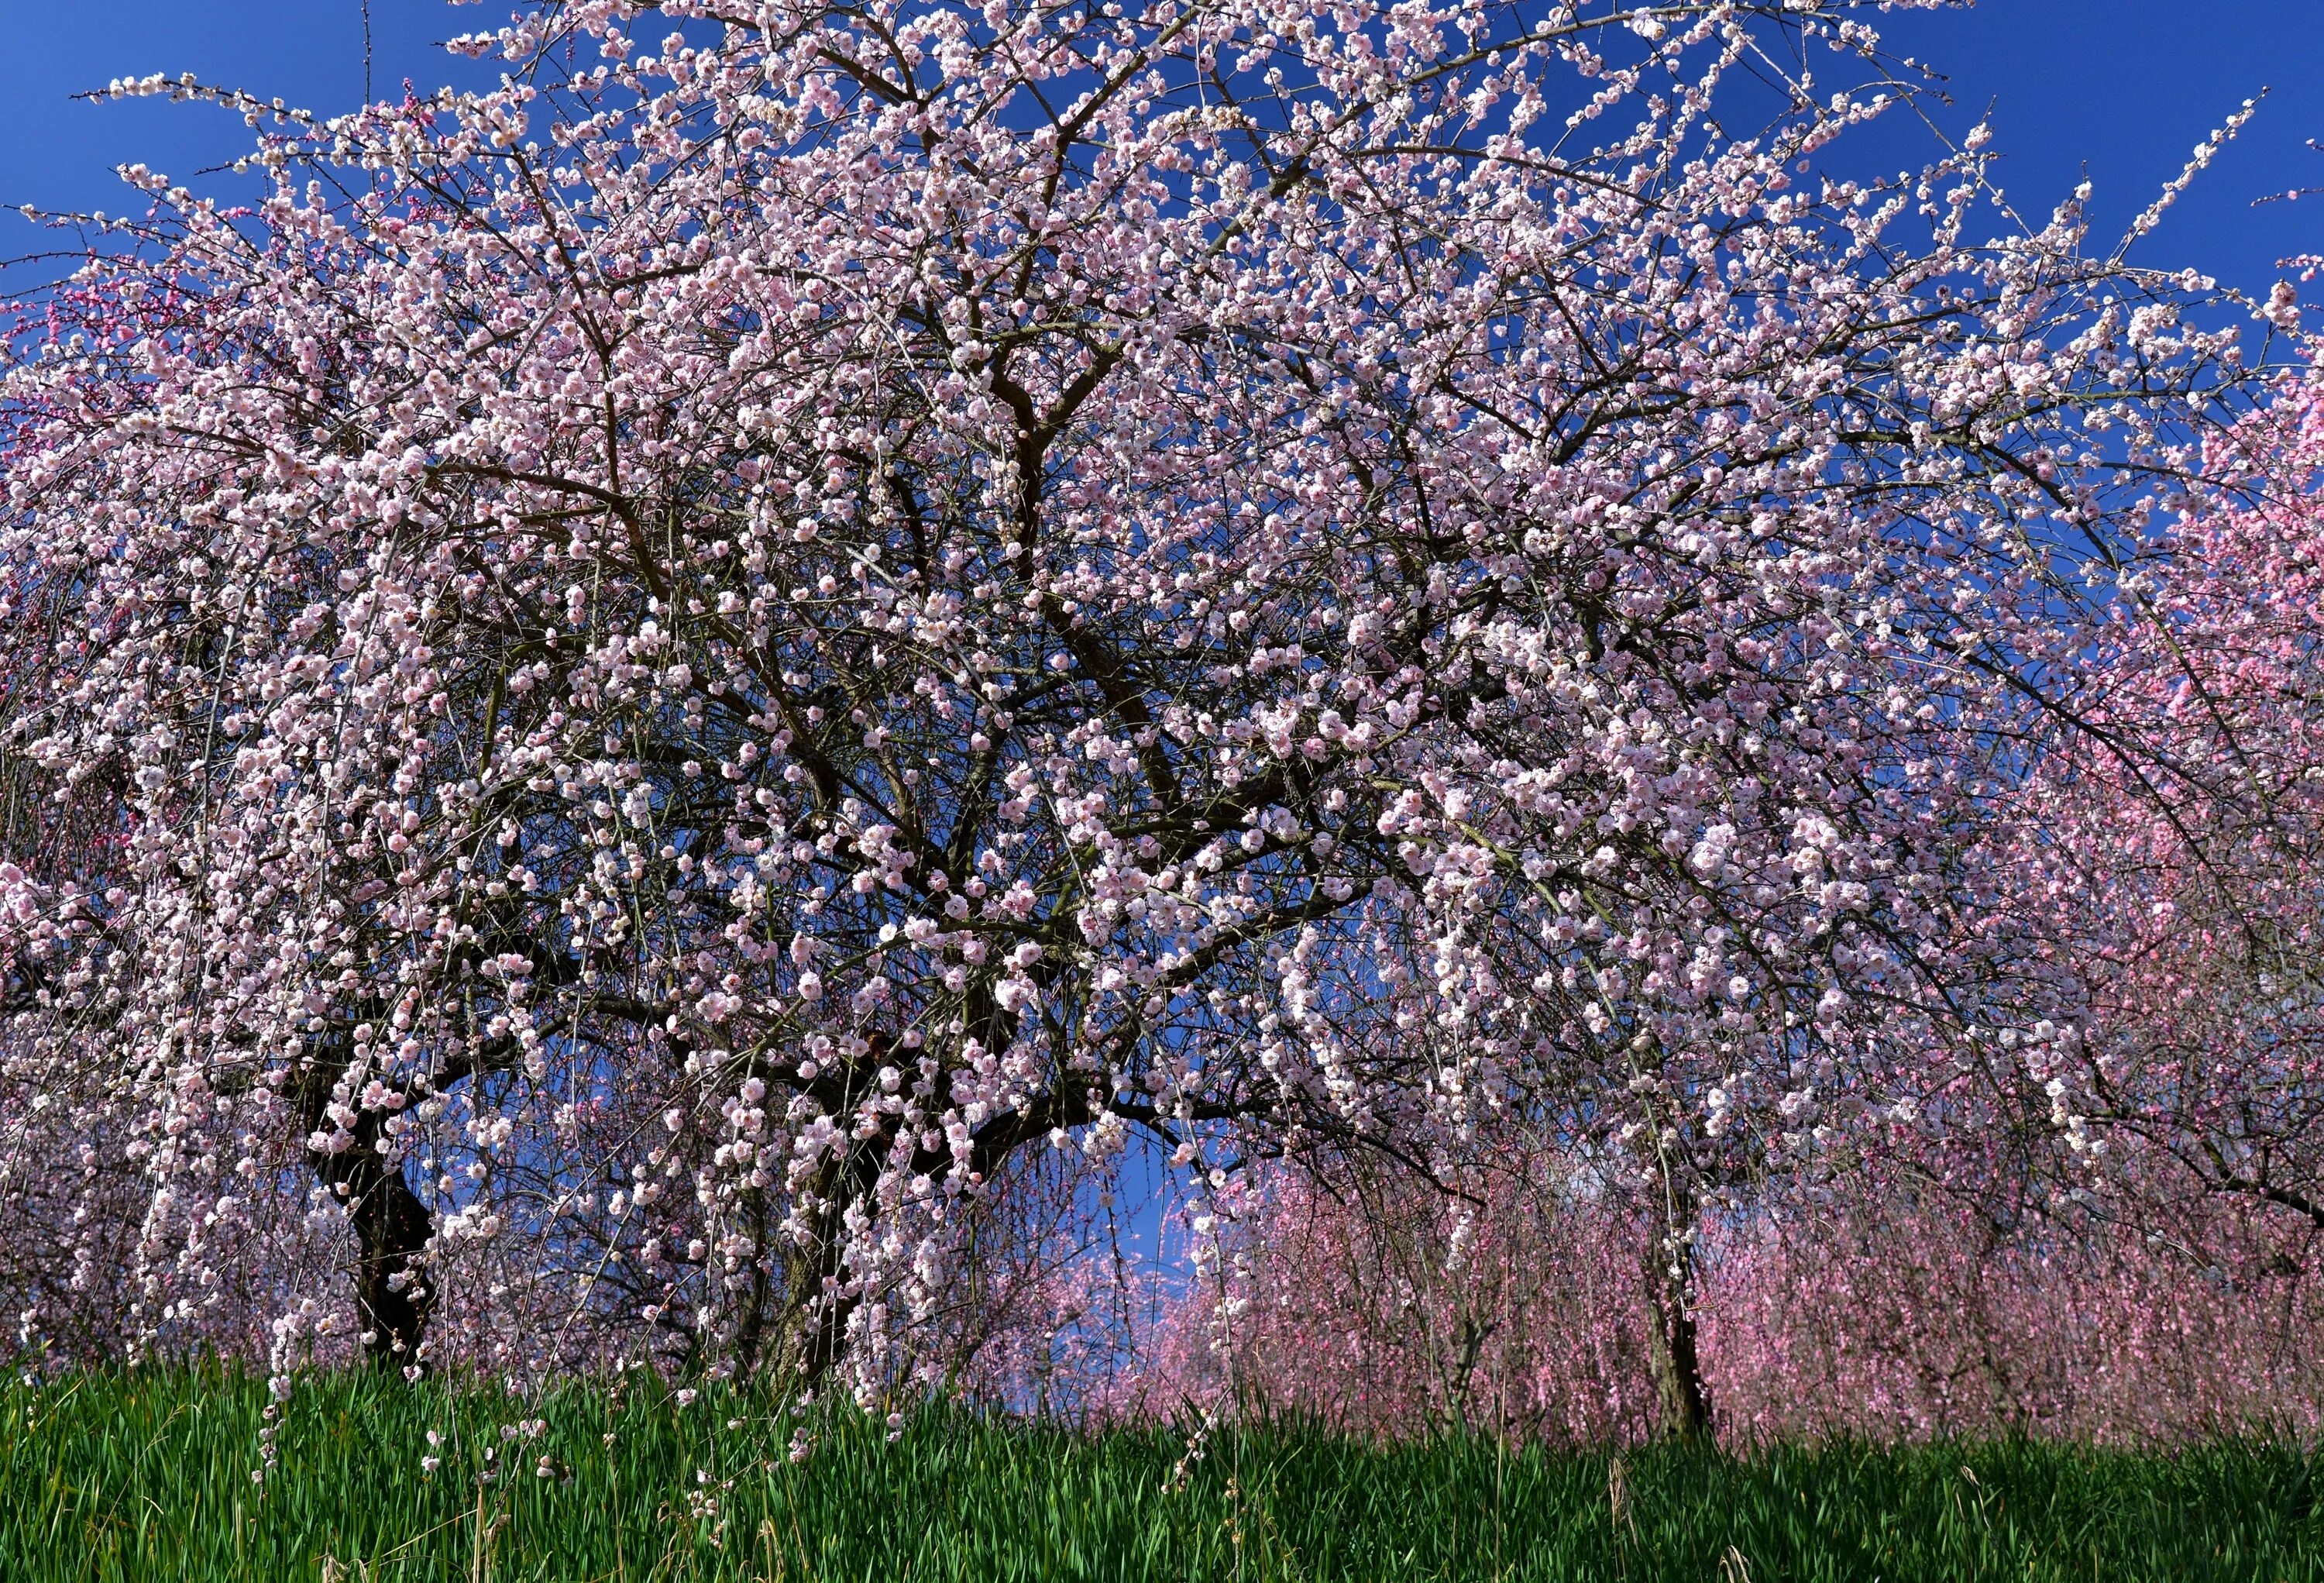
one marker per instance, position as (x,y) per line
(146,1475)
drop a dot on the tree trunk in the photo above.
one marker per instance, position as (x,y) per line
(1681,1396)
(802,1339)
(810,1326)
(392,1229)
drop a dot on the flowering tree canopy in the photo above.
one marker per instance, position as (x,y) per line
(2181,836)
(624,689)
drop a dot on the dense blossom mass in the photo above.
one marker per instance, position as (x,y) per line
(2181,841)
(648,713)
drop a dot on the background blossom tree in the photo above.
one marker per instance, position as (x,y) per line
(1882,1304)
(635,688)
(2180,837)
(2107,1228)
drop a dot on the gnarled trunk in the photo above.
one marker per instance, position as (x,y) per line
(796,1332)
(391,1227)
(1682,1397)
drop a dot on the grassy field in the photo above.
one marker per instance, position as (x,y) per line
(148,1475)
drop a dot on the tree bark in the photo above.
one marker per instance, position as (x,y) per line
(392,1229)
(810,1325)
(1682,1397)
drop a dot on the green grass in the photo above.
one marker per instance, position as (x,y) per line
(146,1475)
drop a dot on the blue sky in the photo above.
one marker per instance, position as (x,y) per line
(59,154)
(2120,88)
(2123,90)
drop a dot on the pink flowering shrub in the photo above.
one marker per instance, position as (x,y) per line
(1378,1306)
(1939,1317)
(1885,1311)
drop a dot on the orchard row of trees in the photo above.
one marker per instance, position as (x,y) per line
(654,716)
(1873,1306)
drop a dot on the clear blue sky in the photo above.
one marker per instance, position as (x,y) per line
(2122,89)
